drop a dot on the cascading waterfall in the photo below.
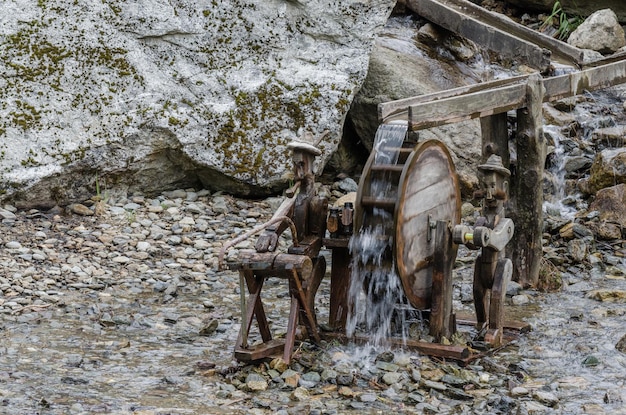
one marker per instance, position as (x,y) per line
(554,204)
(375,288)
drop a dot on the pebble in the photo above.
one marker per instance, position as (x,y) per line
(120,276)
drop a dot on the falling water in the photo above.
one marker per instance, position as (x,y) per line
(375,288)
(555,203)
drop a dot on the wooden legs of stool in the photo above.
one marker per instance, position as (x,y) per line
(300,308)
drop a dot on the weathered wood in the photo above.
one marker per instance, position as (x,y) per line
(557,87)
(495,137)
(515,325)
(465,22)
(468,106)
(398,110)
(339,286)
(458,353)
(260,351)
(589,79)
(527,189)
(559,51)
(442,322)
(271,261)
(429,191)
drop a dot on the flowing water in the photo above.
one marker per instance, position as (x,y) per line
(375,288)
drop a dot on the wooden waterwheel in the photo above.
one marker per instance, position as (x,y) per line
(406,197)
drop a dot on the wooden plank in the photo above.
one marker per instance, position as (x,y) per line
(442,322)
(491,37)
(260,351)
(340,275)
(590,79)
(468,106)
(458,353)
(466,319)
(398,109)
(560,51)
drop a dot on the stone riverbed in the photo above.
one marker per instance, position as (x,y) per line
(124,312)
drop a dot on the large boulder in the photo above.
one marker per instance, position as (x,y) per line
(600,32)
(148,94)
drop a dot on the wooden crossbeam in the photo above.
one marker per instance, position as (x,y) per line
(488,98)
(467,106)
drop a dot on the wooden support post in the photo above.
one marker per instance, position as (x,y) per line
(339,286)
(495,138)
(442,322)
(526,187)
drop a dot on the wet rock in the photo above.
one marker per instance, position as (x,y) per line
(309,380)
(621,344)
(546,398)
(606,295)
(344,379)
(608,169)
(610,203)
(391,378)
(520,299)
(577,250)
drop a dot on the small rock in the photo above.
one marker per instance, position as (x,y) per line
(621,344)
(391,378)
(546,398)
(520,299)
(80,209)
(256,382)
(368,397)
(279,364)
(519,391)
(300,394)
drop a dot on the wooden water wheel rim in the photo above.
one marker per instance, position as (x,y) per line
(428,192)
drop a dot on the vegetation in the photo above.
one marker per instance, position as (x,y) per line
(559,20)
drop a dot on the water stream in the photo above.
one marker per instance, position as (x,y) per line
(375,288)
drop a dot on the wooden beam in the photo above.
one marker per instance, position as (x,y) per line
(526,187)
(494,97)
(467,106)
(464,19)
(398,109)
(587,80)
(442,322)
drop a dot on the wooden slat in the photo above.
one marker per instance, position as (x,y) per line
(383,203)
(468,106)
(388,167)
